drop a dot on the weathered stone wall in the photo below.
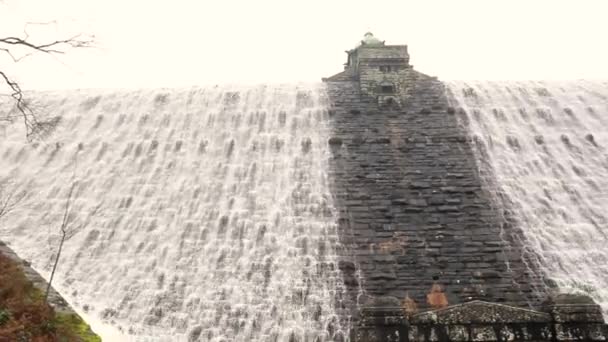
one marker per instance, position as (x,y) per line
(370,75)
(413,212)
(385,51)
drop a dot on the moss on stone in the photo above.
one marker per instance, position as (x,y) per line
(72,325)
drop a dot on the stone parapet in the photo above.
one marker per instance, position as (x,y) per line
(483,321)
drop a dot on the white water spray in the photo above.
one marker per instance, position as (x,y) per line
(545,145)
(205,213)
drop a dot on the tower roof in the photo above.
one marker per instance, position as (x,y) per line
(370,40)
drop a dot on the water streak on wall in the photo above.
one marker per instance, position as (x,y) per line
(544,147)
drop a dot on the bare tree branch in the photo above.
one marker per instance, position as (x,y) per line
(57,46)
(9,199)
(34,125)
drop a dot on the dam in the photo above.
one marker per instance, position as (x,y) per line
(379,205)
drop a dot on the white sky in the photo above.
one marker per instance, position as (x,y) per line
(147,43)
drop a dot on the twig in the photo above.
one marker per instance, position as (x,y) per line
(34,127)
(10,202)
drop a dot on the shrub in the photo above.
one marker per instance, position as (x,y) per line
(5,316)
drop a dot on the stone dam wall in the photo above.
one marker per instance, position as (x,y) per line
(55,300)
(413,212)
(420,231)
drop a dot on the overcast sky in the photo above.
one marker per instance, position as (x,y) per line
(181,43)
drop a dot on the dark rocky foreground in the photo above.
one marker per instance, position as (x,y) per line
(55,300)
(25,315)
(428,254)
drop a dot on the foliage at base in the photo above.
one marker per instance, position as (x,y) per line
(24,316)
(73,324)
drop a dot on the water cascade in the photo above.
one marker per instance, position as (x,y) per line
(199,214)
(543,148)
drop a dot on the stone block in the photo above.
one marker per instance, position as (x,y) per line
(483,333)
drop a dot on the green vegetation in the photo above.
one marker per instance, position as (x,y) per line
(74,324)
(5,316)
(25,316)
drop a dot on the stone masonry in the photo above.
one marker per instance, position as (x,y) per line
(418,227)
(413,212)
(562,318)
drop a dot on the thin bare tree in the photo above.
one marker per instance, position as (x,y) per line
(71,224)
(67,231)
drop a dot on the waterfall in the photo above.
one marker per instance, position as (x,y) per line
(197,214)
(545,146)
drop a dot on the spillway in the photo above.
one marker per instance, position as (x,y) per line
(542,147)
(197,214)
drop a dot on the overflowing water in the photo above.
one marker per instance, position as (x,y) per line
(546,148)
(201,214)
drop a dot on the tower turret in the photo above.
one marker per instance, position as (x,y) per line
(380,69)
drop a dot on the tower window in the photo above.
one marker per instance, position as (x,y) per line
(387,89)
(389,68)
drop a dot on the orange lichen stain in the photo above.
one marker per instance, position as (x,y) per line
(409,306)
(395,244)
(436,298)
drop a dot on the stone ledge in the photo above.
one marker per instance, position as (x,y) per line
(571,318)
(480,312)
(55,300)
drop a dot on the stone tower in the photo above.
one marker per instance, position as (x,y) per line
(381,70)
